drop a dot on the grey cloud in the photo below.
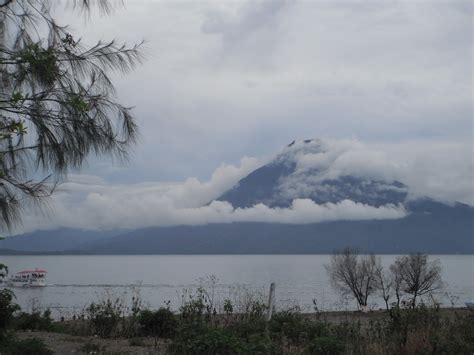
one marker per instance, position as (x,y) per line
(248,18)
(442,170)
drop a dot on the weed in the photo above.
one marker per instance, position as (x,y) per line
(105,317)
(158,324)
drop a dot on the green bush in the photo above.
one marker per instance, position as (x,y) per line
(105,317)
(256,310)
(30,346)
(7,310)
(158,324)
(291,327)
(459,337)
(351,334)
(418,329)
(223,340)
(228,307)
(34,321)
(325,346)
(207,341)
(198,308)
(246,328)
(251,323)
(260,343)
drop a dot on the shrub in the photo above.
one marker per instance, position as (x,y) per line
(256,310)
(228,307)
(198,308)
(290,326)
(350,333)
(459,337)
(207,341)
(294,330)
(30,346)
(260,343)
(158,324)
(246,328)
(325,345)
(405,322)
(251,322)
(425,329)
(34,321)
(105,317)
(130,325)
(7,310)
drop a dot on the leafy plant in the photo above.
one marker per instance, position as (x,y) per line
(105,316)
(34,321)
(158,324)
(207,341)
(228,307)
(30,346)
(7,310)
(325,346)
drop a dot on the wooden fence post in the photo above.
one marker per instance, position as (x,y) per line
(271,301)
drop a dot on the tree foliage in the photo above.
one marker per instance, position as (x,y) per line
(57,101)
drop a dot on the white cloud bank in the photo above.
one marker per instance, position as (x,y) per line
(442,170)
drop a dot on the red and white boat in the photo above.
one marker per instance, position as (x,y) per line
(28,278)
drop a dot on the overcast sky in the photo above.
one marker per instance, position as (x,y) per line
(226,80)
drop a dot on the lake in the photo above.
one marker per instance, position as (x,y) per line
(76,281)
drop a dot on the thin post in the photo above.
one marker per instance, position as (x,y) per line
(271,301)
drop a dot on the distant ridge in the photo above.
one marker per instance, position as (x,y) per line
(54,240)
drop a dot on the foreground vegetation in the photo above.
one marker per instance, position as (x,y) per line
(199,328)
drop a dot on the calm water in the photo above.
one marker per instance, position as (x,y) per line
(76,281)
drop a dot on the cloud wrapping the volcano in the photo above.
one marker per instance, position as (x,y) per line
(144,207)
(92,203)
(441,170)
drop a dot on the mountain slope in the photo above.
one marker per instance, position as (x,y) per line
(302,170)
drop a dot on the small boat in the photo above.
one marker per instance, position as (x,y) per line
(470,304)
(28,278)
